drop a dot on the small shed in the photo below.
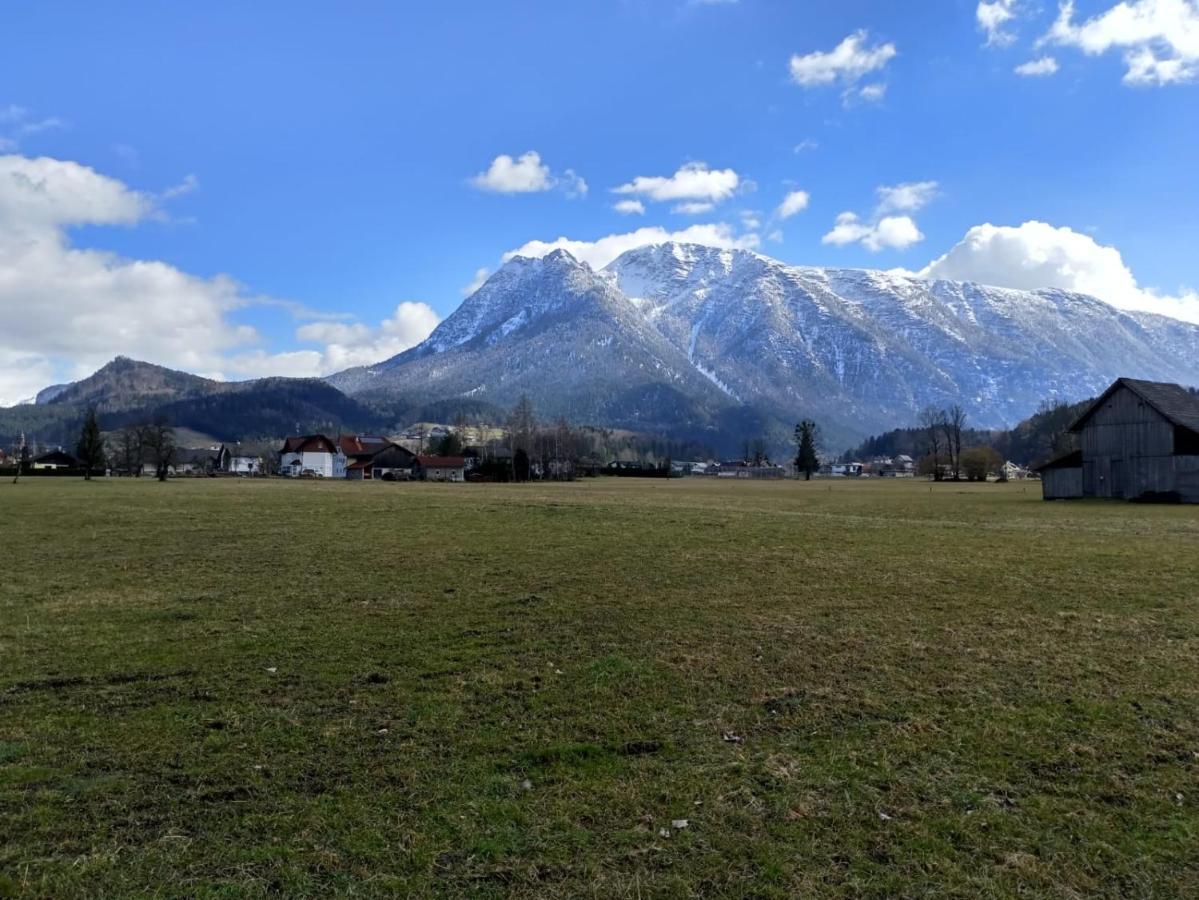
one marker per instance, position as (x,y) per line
(1061,478)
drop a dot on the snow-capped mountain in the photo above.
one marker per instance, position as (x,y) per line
(678,335)
(561,333)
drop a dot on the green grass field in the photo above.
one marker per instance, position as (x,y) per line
(239,688)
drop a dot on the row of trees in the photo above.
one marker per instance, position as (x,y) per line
(135,445)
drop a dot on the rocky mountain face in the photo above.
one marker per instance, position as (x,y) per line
(564,335)
(684,337)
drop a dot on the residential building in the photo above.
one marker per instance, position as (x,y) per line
(314,455)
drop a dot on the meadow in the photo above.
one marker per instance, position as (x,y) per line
(610,688)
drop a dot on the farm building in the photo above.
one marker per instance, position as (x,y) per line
(440,468)
(372,458)
(55,459)
(1138,441)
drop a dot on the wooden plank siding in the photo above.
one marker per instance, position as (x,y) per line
(1128,449)
(1061,484)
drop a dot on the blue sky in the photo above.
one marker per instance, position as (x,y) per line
(324,157)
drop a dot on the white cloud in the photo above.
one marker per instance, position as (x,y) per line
(692,182)
(79,308)
(573,184)
(40,125)
(355,344)
(692,208)
(629,207)
(1160,38)
(805,144)
(1035,68)
(846,64)
(1037,255)
(873,93)
(884,230)
(40,196)
(68,310)
(992,16)
(527,174)
(15,124)
(907,197)
(795,202)
(890,232)
(600,252)
(476,282)
(189,184)
(506,175)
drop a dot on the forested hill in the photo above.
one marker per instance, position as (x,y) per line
(1036,439)
(127,391)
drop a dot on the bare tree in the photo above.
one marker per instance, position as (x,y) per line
(932,421)
(952,423)
(158,439)
(129,450)
(522,425)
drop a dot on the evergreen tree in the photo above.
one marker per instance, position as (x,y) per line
(807,435)
(90,449)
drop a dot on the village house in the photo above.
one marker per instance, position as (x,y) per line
(314,455)
(1138,441)
(440,468)
(370,458)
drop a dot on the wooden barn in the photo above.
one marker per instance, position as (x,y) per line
(1138,441)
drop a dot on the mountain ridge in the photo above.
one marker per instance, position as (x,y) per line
(861,350)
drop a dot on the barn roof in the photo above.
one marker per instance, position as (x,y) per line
(1071,460)
(441,462)
(1174,402)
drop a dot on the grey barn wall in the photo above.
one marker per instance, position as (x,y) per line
(1061,484)
(1128,449)
(1186,473)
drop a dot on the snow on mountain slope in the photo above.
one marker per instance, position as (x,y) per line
(865,348)
(553,329)
(681,335)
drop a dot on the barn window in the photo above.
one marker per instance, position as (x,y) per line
(1186,442)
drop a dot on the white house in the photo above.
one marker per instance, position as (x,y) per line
(312,454)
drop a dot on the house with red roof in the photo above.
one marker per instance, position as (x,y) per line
(373,458)
(314,455)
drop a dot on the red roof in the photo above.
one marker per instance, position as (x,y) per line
(362,444)
(441,462)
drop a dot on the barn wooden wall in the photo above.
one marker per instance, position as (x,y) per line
(1061,484)
(1128,449)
